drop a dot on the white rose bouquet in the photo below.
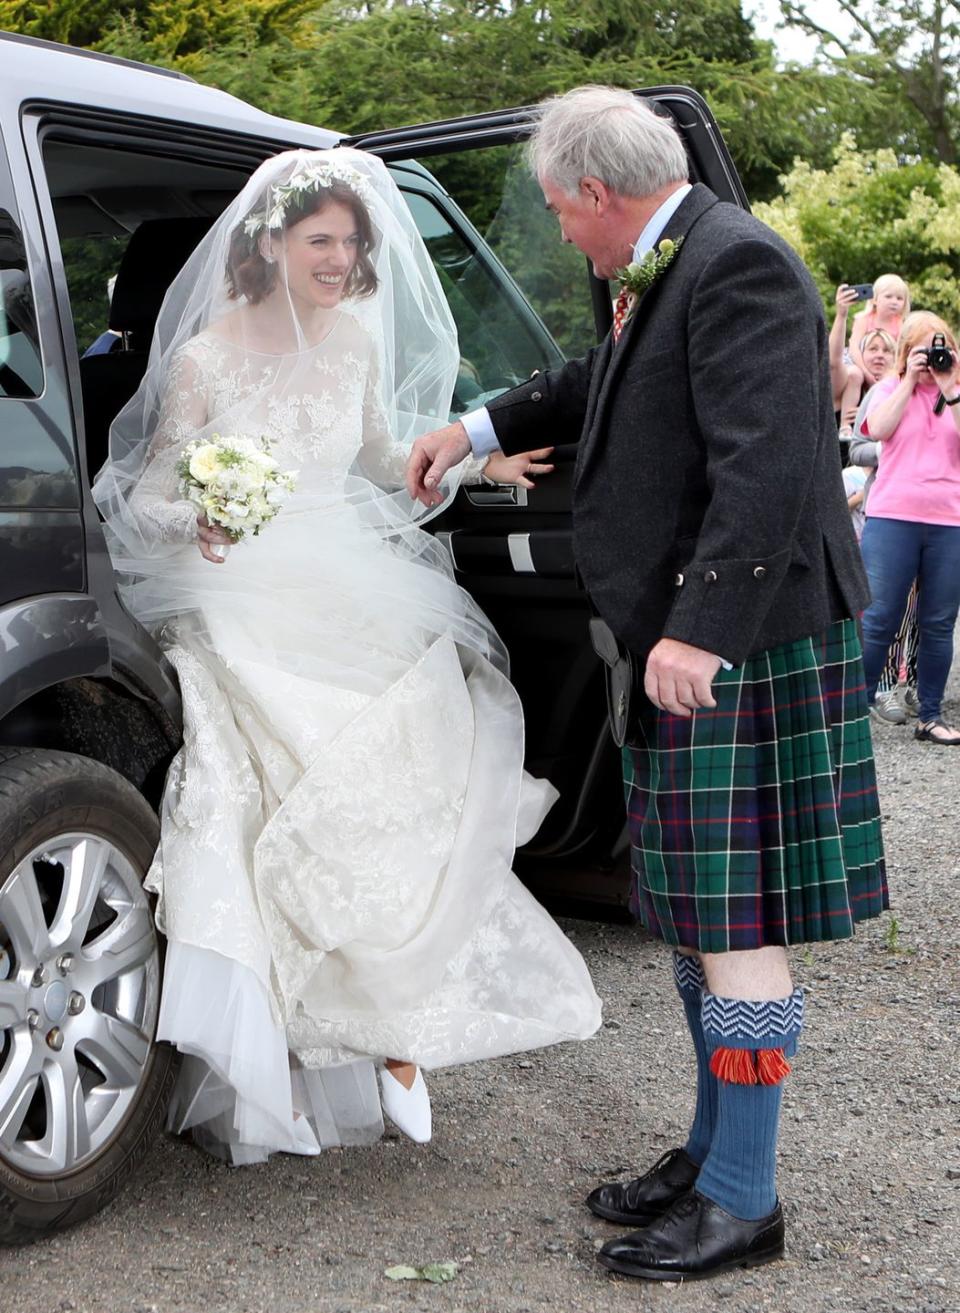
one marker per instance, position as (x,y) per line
(235,483)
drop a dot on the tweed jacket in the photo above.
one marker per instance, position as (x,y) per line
(708,501)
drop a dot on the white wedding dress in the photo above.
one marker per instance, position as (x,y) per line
(333,876)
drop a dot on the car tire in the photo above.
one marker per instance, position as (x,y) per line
(83,1084)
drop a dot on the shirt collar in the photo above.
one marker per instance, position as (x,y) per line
(658,221)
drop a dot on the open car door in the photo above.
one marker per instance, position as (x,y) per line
(524,302)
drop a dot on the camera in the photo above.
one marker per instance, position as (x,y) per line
(939,355)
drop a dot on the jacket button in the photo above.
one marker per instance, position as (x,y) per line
(536,396)
(710,577)
(679,579)
(760,572)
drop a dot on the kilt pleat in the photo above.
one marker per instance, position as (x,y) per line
(757,822)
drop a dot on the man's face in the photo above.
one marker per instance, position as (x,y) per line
(588,226)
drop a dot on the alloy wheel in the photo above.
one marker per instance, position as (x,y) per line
(79,997)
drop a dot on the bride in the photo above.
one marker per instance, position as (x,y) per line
(333,876)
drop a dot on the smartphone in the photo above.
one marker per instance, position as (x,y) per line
(864,291)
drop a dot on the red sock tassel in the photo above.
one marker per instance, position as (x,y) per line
(735,1066)
(772,1066)
(749,1067)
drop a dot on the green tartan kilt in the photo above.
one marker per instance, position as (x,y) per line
(757,822)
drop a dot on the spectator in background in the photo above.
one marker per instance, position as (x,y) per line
(879,360)
(913,525)
(897,690)
(886,309)
(846,378)
(854,483)
(878,353)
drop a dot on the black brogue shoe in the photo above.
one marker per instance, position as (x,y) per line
(647,1197)
(695,1238)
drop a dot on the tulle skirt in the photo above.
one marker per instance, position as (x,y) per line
(337,834)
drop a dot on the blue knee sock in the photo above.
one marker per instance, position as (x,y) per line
(749,1044)
(688,977)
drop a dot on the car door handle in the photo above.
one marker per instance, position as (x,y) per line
(521,557)
(504,494)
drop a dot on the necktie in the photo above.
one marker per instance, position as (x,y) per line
(621,308)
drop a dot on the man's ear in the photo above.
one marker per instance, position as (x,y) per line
(596,194)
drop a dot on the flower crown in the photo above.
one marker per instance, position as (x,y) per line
(313,177)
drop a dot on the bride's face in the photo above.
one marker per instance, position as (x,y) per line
(319,253)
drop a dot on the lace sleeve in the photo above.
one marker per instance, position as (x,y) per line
(162,514)
(382,458)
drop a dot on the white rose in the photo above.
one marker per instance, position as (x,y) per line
(204,463)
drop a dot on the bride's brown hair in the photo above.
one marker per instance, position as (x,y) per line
(250,275)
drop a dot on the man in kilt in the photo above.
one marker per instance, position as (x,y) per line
(712,534)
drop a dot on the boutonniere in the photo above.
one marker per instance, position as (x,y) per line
(642,274)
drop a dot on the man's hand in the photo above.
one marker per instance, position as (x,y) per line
(678,677)
(431,457)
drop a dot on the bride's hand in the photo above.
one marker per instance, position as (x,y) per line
(208,537)
(519,468)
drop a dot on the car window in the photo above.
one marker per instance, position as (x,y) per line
(501,341)
(519,296)
(90,264)
(495,190)
(21,368)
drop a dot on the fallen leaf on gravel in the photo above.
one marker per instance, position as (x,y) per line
(439,1272)
(402,1273)
(435,1272)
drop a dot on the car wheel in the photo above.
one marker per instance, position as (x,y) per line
(83,1084)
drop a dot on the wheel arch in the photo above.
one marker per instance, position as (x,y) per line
(101,719)
(63,688)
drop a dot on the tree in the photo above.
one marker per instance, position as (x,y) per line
(357,66)
(871,214)
(439,58)
(177,28)
(908,51)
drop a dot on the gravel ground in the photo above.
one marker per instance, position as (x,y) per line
(870,1152)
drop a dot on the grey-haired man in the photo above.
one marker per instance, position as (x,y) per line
(712,534)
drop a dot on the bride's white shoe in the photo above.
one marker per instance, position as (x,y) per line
(304,1141)
(408,1109)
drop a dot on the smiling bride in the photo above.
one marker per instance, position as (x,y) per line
(334,872)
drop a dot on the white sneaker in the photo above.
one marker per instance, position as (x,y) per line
(887,707)
(408,1109)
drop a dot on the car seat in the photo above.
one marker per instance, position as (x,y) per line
(155,254)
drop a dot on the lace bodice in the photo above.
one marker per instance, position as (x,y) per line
(320,409)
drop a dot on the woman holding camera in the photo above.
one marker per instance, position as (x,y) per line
(913,518)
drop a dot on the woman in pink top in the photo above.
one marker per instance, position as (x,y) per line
(913,516)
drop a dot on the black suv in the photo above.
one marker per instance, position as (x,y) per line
(110,168)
